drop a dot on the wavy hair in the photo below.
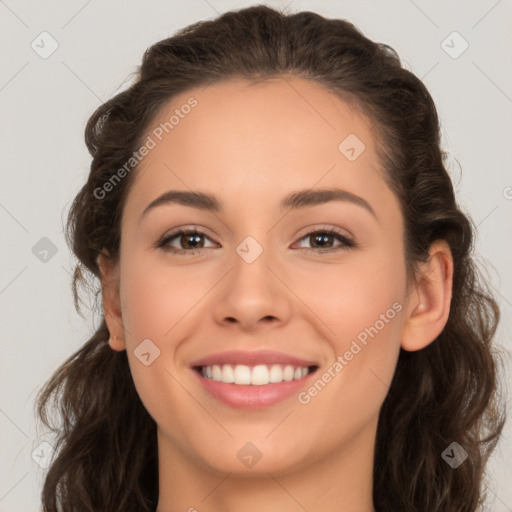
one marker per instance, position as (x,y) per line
(105,440)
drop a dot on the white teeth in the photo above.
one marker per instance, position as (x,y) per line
(227,374)
(258,375)
(216,372)
(242,374)
(288,373)
(276,374)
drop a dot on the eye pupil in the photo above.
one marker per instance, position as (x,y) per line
(190,236)
(323,238)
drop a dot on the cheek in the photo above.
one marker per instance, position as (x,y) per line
(159,303)
(353,295)
(360,304)
(155,297)
(366,309)
(364,314)
(155,301)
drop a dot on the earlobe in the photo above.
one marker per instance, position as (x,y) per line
(109,276)
(116,343)
(428,306)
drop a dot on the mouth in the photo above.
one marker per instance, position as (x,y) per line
(253,380)
(259,375)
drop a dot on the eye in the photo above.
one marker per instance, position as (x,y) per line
(321,239)
(189,241)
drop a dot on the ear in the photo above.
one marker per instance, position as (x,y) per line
(109,271)
(428,305)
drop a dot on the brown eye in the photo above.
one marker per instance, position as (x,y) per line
(188,241)
(321,240)
(324,241)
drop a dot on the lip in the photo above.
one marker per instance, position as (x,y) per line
(252,358)
(247,396)
(253,397)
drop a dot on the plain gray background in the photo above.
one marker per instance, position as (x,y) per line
(45,103)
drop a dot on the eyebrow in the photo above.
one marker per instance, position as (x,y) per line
(293,201)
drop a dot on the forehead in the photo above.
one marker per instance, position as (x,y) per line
(255,138)
(287,114)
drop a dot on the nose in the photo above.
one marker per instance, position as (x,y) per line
(253,294)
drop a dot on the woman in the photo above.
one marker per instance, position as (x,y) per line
(292,317)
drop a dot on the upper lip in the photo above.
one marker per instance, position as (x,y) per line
(267,357)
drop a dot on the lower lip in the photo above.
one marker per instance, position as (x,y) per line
(252,397)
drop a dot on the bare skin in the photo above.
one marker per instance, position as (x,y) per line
(250,145)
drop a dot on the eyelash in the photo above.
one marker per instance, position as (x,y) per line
(346,242)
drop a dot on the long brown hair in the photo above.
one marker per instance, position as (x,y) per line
(105,439)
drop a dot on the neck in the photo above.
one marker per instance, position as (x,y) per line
(340,482)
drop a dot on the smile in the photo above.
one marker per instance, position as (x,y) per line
(259,375)
(252,380)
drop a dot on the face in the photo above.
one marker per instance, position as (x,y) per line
(299,298)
